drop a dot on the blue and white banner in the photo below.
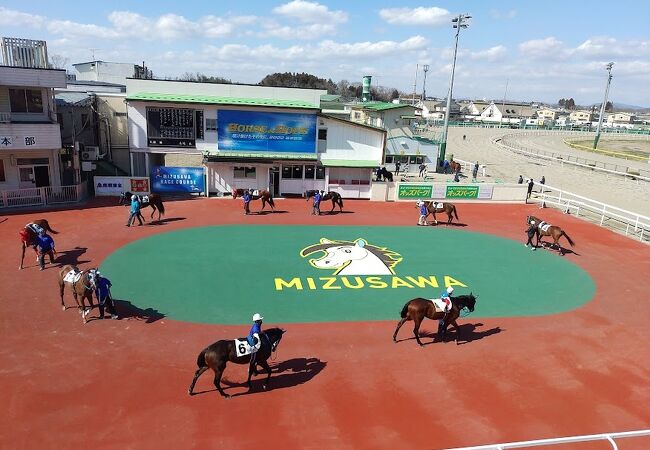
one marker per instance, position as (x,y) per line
(266,132)
(177,179)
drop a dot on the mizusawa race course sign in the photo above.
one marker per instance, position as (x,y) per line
(222,274)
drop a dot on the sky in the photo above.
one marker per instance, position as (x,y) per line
(526,51)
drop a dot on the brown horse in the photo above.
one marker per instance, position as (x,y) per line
(221,352)
(440,207)
(546,229)
(83,285)
(28,236)
(334,196)
(153,200)
(455,166)
(265,195)
(419,308)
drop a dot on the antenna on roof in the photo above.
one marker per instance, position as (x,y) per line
(92,51)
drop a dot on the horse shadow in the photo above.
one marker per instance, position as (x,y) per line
(468,333)
(550,247)
(265,212)
(442,222)
(71,256)
(285,374)
(334,213)
(166,220)
(127,310)
(4,220)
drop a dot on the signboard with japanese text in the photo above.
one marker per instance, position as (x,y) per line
(140,185)
(457,191)
(177,179)
(17,141)
(414,191)
(266,132)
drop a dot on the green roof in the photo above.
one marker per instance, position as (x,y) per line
(381,106)
(265,155)
(329,97)
(350,163)
(213,100)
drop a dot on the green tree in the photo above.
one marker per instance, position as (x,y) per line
(609,106)
(202,78)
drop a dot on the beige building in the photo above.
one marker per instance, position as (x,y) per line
(581,117)
(621,118)
(548,113)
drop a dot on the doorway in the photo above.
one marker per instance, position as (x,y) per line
(274,181)
(42,176)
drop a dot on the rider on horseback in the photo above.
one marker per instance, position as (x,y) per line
(256,329)
(445,298)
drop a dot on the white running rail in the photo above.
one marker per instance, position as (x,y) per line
(618,219)
(563,440)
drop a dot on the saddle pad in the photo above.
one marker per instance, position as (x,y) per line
(144,199)
(255,192)
(438,206)
(242,348)
(35,228)
(72,276)
(439,304)
(544,226)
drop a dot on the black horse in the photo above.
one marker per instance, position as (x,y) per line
(334,196)
(385,174)
(153,200)
(419,308)
(218,354)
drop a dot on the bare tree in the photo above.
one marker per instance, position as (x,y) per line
(58,61)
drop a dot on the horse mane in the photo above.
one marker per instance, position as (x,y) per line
(388,257)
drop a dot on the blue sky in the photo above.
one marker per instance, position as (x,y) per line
(543,50)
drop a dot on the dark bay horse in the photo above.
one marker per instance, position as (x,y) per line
(419,308)
(455,166)
(546,229)
(29,233)
(385,174)
(221,352)
(440,207)
(334,196)
(82,286)
(153,200)
(265,195)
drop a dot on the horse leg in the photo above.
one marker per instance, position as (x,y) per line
(456,329)
(416,330)
(153,211)
(399,325)
(265,366)
(218,372)
(435,221)
(22,258)
(449,218)
(197,374)
(61,289)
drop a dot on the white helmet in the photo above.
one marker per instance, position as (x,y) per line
(133,197)
(450,290)
(532,222)
(257,317)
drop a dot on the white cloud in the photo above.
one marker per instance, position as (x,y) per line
(491,54)
(550,48)
(310,12)
(10,17)
(416,16)
(496,14)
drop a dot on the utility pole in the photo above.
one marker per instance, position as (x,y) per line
(415,82)
(503,104)
(608,67)
(424,85)
(459,22)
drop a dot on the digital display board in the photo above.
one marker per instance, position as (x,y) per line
(173,127)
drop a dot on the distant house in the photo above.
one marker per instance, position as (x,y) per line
(581,117)
(548,113)
(383,115)
(621,117)
(506,112)
(436,109)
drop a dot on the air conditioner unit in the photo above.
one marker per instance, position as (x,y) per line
(90,153)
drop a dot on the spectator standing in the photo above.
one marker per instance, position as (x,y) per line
(397,166)
(531,183)
(520,180)
(423,169)
(475,172)
(542,182)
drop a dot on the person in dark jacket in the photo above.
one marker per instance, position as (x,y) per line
(44,246)
(531,231)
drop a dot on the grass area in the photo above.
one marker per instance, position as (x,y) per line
(620,148)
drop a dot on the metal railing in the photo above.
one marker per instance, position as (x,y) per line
(43,196)
(562,440)
(617,219)
(5,117)
(509,142)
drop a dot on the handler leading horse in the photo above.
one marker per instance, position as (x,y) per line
(83,284)
(153,200)
(546,229)
(334,196)
(419,308)
(434,207)
(265,195)
(221,352)
(29,233)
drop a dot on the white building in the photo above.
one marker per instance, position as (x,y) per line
(249,136)
(30,138)
(106,72)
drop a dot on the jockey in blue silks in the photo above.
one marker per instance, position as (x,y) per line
(255,329)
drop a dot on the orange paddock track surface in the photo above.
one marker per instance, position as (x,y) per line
(123,383)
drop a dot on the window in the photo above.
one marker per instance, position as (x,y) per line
(309,172)
(389,159)
(322,134)
(119,114)
(26,100)
(244,172)
(210,124)
(320,172)
(292,172)
(2,171)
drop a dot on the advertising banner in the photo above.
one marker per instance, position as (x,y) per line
(140,185)
(415,191)
(110,185)
(454,191)
(266,132)
(177,179)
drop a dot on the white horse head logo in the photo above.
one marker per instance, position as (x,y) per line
(353,257)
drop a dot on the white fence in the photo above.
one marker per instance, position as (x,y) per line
(563,440)
(620,220)
(511,142)
(43,196)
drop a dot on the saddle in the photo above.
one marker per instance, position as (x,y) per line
(34,227)
(242,348)
(440,305)
(143,198)
(437,206)
(73,276)
(544,226)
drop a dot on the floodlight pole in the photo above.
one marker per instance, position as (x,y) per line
(459,22)
(608,67)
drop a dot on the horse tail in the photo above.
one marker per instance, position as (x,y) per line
(200,360)
(568,238)
(271,200)
(404,310)
(46,225)
(455,212)
(340,202)
(160,206)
